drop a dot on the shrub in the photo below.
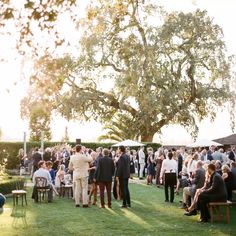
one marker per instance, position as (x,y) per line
(7,185)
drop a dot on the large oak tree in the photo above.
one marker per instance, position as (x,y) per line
(136,60)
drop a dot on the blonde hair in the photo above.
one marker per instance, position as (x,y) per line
(61,167)
(225,168)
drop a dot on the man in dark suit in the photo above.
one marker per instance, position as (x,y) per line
(37,157)
(232,154)
(103,176)
(215,193)
(180,163)
(123,173)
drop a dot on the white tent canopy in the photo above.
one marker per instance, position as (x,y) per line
(128,143)
(204,143)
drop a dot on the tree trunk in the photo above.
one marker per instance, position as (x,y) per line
(147,137)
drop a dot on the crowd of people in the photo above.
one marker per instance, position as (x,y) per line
(204,175)
(88,170)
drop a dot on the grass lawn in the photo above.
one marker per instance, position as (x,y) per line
(149,215)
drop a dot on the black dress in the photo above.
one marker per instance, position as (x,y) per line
(132,169)
(151,166)
(91,173)
(229,185)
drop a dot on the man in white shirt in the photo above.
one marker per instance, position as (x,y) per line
(42,172)
(169,170)
(141,156)
(79,163)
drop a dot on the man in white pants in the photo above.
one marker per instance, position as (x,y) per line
(79,163)
(141,156)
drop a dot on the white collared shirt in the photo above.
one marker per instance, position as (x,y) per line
(41,172)
(168,166)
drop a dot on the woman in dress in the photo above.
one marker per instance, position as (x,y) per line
(151,166)
(59,181)
(132,168)
(92,183)
(228,178)
(116,186)
(159,157)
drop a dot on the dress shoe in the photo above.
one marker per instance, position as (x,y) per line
(77,205)
(85,206)
(191,213)
(184,206)
(203,221)
(123,206)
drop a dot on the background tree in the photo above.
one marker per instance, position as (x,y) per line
(39,120)
(65,137)
(171,69)
(27,21)
(120,128)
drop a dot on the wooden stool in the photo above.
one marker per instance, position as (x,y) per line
(67,190)
(217,206)
(19,193)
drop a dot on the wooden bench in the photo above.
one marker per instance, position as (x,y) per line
(216,206)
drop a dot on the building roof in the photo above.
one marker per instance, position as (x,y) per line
(228,140)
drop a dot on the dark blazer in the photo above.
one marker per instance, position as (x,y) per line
(199,178)
(123,167)
(180,164)
(105,169)
(217,186)
(231,156)
(234,177)
(97,159)
(36,158)
(209,156)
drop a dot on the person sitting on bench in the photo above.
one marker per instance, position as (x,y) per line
(215,193)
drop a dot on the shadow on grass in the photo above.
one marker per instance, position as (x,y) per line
(149,215)
(19,217)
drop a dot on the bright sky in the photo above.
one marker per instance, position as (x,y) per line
(11,93)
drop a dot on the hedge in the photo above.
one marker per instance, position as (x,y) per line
(6,186)
(10,150)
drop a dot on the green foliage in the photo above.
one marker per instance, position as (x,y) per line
(7,185)
(30,18)
(121,127)
(40,119)
(173,72)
